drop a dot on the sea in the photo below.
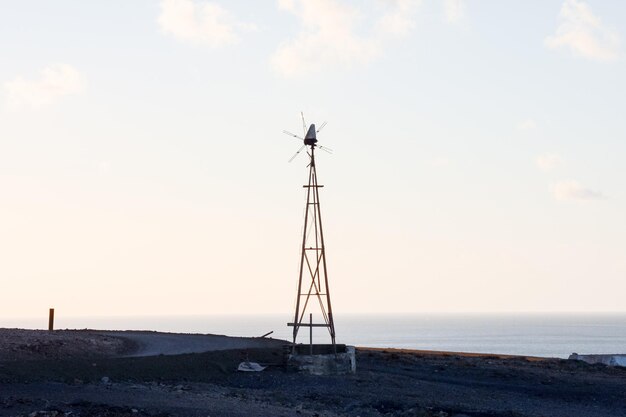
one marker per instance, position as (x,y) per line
(545,335)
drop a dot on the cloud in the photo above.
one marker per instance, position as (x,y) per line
(54,82)
(572,190)
(454,10)
(584,34)
(548,162)
(441,162)
(527,124)
(287,5)
(398,21)
(205,23)
(329,36)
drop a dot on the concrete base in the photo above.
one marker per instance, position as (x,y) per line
(323,361)
(610,360)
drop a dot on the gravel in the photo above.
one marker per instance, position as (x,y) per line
(109,381)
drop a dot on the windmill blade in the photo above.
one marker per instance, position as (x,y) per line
(292,134)
(321,127)
(299,150)
(303,124)
(325,149)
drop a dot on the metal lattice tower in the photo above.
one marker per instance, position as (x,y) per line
(313,278)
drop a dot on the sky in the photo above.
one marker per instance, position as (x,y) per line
(478,160)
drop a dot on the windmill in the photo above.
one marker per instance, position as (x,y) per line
(313,276)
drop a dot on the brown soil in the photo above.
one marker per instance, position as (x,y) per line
(20,344)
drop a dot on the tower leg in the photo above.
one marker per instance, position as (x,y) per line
(313,275)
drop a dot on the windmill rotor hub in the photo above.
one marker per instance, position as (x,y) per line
(310,139)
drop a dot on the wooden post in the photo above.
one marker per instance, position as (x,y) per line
(51,320)
(311,333)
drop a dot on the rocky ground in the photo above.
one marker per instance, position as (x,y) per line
(21,344)
(387,383)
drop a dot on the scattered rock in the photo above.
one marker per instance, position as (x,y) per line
(44,413)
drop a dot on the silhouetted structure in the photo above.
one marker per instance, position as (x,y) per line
(313,277)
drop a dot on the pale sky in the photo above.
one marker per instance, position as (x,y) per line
(478,165)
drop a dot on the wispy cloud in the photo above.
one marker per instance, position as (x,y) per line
(205,23)
(572,190)
(329,36)
(398,20)
(548,162)
(54,82)
(454,10)
(441,162)
(584,33)
(527,124)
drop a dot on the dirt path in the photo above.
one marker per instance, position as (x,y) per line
(154,343)
(21,344)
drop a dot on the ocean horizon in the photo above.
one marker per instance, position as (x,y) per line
(546,335)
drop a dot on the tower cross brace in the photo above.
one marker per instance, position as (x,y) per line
(313,277)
